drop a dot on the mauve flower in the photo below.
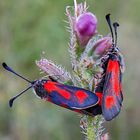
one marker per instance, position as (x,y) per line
(102,45)
(85,27)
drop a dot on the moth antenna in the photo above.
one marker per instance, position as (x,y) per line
(12,99)
(12,71)
(115,25)
(110,26)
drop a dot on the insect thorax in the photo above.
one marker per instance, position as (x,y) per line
(39,88)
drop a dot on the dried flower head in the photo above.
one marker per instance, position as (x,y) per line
(53,70)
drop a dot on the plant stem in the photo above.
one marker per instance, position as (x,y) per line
(90,129)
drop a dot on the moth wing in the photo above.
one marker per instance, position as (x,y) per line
(72,97)
(112,91)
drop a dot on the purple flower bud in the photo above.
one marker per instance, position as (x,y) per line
(85,27)
(102,45)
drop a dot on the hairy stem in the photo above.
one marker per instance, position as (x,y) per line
(90,129)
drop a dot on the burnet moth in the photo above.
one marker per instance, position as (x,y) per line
(71,97)
(109,89)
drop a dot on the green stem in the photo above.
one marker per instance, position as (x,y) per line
(94,127)
(90,129)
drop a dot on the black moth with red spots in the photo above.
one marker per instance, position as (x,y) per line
(71,97)
(106,100)
(109,89)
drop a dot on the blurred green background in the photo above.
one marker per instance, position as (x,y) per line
(31,26)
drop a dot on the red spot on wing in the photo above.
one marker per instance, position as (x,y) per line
(52,86)
(111,64)
(64,93)
(100,95)
(114,69)
(81,96)
(109,102)
(116,86)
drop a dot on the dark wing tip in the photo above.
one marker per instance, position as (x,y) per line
(111,116)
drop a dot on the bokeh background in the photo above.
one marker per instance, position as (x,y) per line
(29,27)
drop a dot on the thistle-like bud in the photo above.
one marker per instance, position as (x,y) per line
(55,71)
(101,46)
(85,27)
